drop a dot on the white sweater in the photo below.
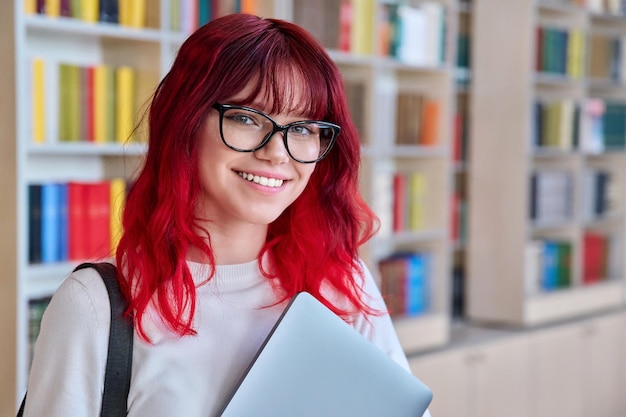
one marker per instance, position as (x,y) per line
(189,376)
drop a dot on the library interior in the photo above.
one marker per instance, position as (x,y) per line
(508,297)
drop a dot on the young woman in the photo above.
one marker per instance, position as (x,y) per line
(248,195)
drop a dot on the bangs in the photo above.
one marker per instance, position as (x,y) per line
(285,75)
(290,90)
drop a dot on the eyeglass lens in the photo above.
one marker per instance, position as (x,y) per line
(246,130)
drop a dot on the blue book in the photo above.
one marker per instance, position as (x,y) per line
(416,274)
(50,222)
(62,247)
(550,265)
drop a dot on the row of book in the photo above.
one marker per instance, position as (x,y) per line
(603,127)
(601,194)
(550,261)
(549,265)
(72,103)
(74,220)
(610,7)
(593,125)
(409,201)
(560,51)
(551,197)
(188,15)
(607,60)
(556,124)
(405,281)
(417,119)
(127,13)
(412,33)
(36,308)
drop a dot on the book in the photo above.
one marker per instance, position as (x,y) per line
(118,198)
(417,196)
(50,222)
(78,228)
(69,103)
(429,128)
(34,223)
(90,11)
(53,8)
(124,103)
(38,100)
(399,202)
(98,219)
(108,11)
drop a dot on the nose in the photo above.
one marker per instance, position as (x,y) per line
(274,150)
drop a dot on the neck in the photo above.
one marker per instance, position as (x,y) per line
(232,244)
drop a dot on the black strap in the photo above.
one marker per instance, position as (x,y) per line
(120,351)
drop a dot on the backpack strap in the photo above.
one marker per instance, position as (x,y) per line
(120,351)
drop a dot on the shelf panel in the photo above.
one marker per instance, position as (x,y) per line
(574,302)
(423,332)
(81,28)
(85,148)
(42,280)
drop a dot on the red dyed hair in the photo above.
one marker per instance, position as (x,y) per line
(315,241)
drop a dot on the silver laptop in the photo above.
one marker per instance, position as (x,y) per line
(313,364)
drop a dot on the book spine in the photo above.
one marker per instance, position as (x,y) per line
(38,100)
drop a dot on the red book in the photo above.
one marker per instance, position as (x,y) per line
(345,25)
(399,202)
(98,218)
(594,255)
(76,221)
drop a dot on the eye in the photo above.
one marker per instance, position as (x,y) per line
(304,129)
(240,118)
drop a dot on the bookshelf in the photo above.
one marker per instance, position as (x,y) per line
(375,80)
(407,172)
(536,178)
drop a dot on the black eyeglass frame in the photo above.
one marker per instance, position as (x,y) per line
(222,108)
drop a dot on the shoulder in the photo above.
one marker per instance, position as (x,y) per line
(83,296)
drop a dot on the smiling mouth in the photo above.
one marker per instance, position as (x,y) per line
(268,182)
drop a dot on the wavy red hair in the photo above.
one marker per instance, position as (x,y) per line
(314,242)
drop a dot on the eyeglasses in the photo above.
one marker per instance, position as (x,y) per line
(244,129)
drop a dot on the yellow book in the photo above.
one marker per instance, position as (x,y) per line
(90,10)
(417,201)
(39,100)
(100,100)
(361,36)
(124,11)
(53,8)
(137,14)
(30,6)
(575,51)
(125,103)
(118,198)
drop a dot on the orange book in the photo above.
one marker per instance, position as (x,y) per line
(429,129)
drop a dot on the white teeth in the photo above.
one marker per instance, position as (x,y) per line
(268,182)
